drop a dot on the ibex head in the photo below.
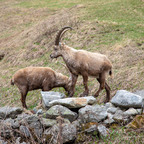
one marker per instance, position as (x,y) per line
(59,47)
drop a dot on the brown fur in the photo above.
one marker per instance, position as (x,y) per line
(32,78)
(81,62)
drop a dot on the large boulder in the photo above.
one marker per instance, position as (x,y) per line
(95,113)
(58,110)
(48,96)
(68,134)
(9,112)
(73,102)
(127,99)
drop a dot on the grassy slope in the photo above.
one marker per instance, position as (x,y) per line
(112,27)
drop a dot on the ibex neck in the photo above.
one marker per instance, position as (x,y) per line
(61,80)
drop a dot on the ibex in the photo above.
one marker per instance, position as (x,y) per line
(32,78)
(81,62)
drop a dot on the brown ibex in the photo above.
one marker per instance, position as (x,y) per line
(81,62)
(32,78)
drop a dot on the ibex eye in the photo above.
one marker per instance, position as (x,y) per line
(55,49)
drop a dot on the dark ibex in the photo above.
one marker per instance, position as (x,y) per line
(31,78)
(81,62)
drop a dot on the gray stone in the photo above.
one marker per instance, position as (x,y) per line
(109,104)
(35,123)
(139,111)
(127,99)
(48,96)
(68,133)
(103,131)
(77,124)
(109,119)
(94,113)
(9,112)
(112,110)
(92,130)
(25,131)
(57,110)
(119,116)
(140,93)
(39,112)
(74,102)
(130,112)
(11,123)
(48,122)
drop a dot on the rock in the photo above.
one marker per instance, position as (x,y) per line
(57,110)
(118,116)
(130,112)
(77,124)
(11,123)
(127,99)
(9,112)
(94,113)
(109,104)
(90,128)
(39,112)
(68,134)
(73,102)
(109,120)
(103,131)
(112,110)
(50,96)
(25,131)
(48,122)
(139,111)
(140,93)
(35,124)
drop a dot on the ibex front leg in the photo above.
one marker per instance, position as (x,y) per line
(73,83)
(85,80)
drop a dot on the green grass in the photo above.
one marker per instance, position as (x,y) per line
(103,26)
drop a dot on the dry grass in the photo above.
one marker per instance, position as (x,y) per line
(27,37)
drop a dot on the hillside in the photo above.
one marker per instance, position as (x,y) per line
(111,27)
(114,28)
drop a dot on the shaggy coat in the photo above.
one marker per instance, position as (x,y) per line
(81,62)
(32,78)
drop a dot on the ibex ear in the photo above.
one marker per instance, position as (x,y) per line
(61,45)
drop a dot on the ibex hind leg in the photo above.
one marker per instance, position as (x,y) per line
(101,81)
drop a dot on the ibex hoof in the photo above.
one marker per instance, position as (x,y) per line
(84,94)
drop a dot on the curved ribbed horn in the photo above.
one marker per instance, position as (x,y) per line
(60,34)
